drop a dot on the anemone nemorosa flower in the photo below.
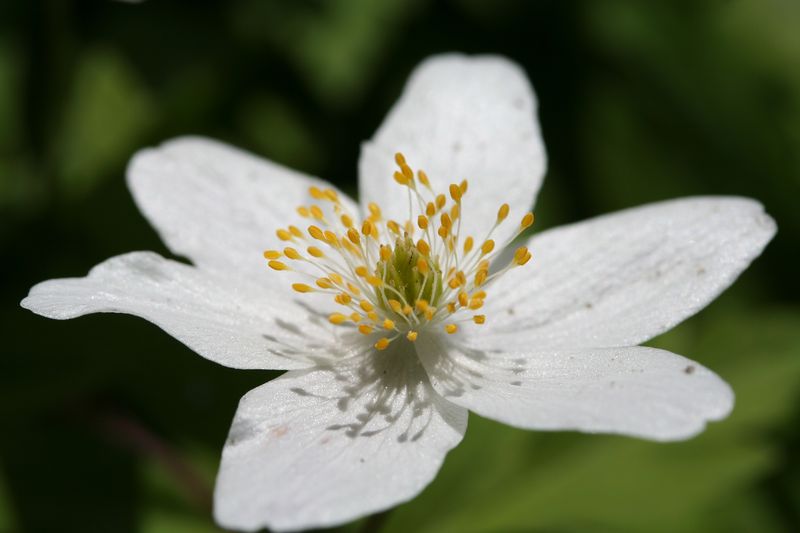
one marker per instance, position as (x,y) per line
(396,315)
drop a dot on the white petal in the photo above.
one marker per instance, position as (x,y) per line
(321,447)
(223,320)
(621,279)
(460,118)
(217,205)
(637,391)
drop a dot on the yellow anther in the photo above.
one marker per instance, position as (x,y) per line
(388,324)
(502,213)
(331,238)
(423,247)
(430,209)
(463,299)
(479,319)
(353,235)
(272,254)
(374,211)
(375,281)
(343,298)
(350,247)
(315,232)
(364,329)
(423,178)
(422,304)
(347,221)
(324,283)
(476,303)
(487,247)
(451,308)
(294,230)
(291,253)
(464,186)
(366,306)
(411,335)
(443,232)
(400,159)
(382,343)
(400,178)
(524,259)
(422,222)
(407,309)
(469,242)
(372,315)
(386,252)
(445,220)
(362,271)
(441,199)
(408,173)
(451,328)
(277,265)
(355,290)
(331,195)
(480,277)
(455,212)
(316,252)
(409,227)
(316,193)
(422,265)
(355,317)
(337,318)
(336,278)
(302,287)
(527,221)
(455,192)
(316,212)
(396,306)
(283,235)
(429,312)
(303,212)
(394,227)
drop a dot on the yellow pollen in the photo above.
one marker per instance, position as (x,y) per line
(337,318)
(302,287)
(316,212)
(502,213)
(315,232)
(411,335)
(455,192)
(451,328)
(277,265)
(324,283)
(382,343)
(291,253)
(527,221)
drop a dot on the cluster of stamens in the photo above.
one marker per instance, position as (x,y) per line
(392,277)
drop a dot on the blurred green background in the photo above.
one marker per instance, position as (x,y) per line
(108,424)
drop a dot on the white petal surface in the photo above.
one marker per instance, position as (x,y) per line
(325,446)
(621,279)
(217,205)
(228,322)
(460,118)
(635,391)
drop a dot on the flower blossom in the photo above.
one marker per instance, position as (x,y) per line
(397,315)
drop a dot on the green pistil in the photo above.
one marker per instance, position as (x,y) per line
(401,273)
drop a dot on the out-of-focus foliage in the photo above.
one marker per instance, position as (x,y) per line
(110,425)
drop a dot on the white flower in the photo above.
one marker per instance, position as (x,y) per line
(363,419)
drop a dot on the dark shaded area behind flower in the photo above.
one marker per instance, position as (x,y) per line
(110,425)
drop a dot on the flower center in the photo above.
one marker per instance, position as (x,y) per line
(395,278)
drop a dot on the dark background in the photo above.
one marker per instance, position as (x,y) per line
(108,424)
